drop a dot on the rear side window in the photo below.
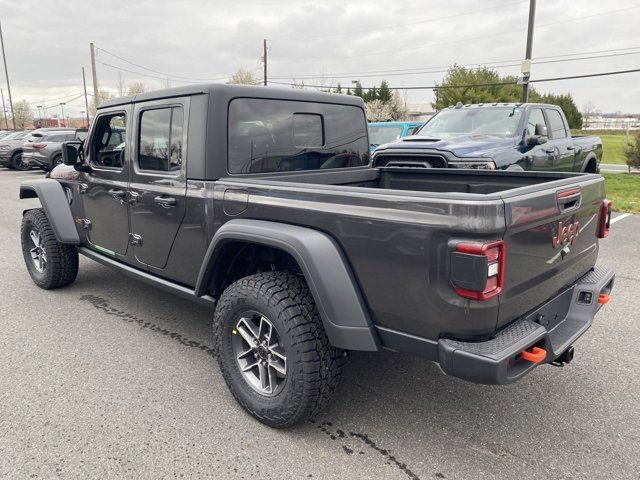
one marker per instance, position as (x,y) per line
(278,136)
(556,124)
(160,140)
(56,137)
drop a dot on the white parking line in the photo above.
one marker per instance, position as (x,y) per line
(620,217)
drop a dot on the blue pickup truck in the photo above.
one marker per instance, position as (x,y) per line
(385,132)
(505,136)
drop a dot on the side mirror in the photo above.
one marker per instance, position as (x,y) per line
(540,137)
(72,154)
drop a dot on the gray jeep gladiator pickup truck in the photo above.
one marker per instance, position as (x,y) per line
(497,136)
(263,203)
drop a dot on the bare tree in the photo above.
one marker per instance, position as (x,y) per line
(393,109)
(588,110)
(120,87)
(102,96)
(243,77)
(137,87)
(22,117)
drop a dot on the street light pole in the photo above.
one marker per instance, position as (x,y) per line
(526,64)
(4,112)
(62,111)
(39,107)
(6,73)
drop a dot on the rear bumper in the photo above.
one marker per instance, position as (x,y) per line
(553,326)
(36,160)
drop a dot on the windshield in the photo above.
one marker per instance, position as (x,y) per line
(499,121)
(379,134)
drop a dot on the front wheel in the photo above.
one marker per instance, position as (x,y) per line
(50,263)
(272,349)
(18,164)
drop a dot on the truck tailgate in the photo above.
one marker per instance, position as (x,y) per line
(551,241)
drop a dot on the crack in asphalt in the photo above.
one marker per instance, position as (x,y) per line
(103,305)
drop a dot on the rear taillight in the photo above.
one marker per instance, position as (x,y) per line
(605,219)
(477,269)
(38,145)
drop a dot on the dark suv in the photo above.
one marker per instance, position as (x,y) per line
(44,147)
(263,204)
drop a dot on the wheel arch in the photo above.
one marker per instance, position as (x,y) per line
(590,159)
(56,206)
(340,303)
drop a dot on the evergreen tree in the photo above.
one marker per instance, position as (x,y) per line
(569,107)
(338,89)
(357,91)
(384,94)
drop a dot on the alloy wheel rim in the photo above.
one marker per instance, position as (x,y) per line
(259,353)
(38,255)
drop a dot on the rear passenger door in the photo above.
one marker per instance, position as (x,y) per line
(157,185)
(560,141)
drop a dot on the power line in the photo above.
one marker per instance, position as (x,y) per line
(463,40)
(403,25)
(444,87)
(444,68)
(164,74)
(421,72)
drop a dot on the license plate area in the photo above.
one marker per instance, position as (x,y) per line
(550,314)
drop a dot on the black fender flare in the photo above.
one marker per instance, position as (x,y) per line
(55,204)
(331,281)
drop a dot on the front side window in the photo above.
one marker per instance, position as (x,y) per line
(556,123)
(160,140)
(280,135)
(535,117)
(108,141)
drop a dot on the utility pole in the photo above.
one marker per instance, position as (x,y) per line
(39,107)
(6,73)
(62,111)
(526,64)
(86,99)
(93,72)
(264,60)
(4,112)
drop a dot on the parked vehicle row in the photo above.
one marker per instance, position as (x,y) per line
(263,203)
(386,132)
(506,136)
(41,148)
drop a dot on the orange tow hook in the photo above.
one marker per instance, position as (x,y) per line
(535,355)
(603,298)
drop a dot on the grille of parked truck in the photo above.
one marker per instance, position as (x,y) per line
(504,136)
(264,204)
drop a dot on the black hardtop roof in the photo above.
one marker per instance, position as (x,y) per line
(232,91)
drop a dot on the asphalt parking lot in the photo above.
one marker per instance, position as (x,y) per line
(111,378)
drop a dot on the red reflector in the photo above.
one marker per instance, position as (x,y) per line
(603,298)
(605,219)
(493,252)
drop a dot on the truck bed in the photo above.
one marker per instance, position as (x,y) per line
(395,226)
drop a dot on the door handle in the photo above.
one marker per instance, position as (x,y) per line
(117,193)
(570,147)
(166,202)
(550,150)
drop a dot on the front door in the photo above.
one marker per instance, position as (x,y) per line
(157,188)
(104,189)
(541,157)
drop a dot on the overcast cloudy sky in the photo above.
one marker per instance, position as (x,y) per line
(324,41)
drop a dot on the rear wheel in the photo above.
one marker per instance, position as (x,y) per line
(272,349)
(57,160)
(50,263)
(17,163)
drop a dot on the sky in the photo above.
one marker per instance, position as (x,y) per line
(323,42)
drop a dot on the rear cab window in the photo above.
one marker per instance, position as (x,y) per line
(266,135)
